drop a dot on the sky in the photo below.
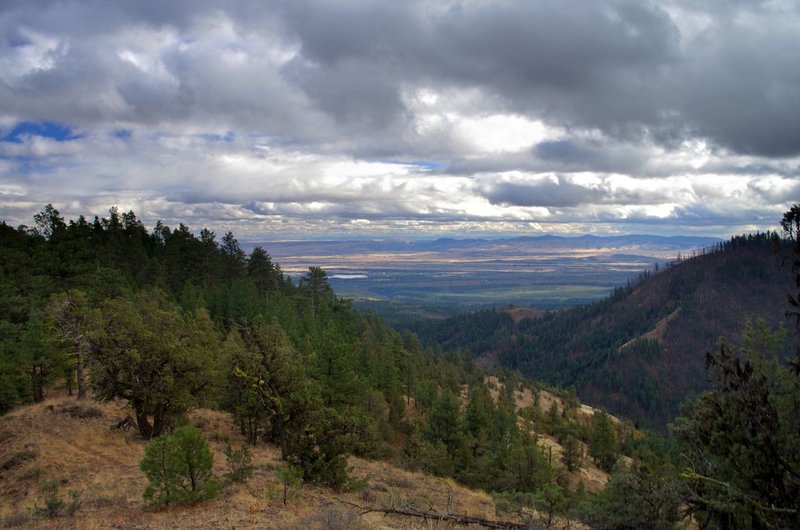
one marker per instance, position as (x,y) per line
(309,119)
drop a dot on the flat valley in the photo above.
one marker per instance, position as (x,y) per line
(444,276)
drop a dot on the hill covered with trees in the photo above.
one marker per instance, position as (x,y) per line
(167,321)
(640,352)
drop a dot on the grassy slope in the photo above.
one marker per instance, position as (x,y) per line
(47,441)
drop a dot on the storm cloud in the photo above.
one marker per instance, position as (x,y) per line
(419,117)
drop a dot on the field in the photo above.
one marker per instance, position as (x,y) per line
(434,278)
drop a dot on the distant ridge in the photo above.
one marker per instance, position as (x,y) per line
(447,243)
(639,352)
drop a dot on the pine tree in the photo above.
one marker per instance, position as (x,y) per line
(572,456)
(742,437)
(603,446)
(179,469)
(69,319)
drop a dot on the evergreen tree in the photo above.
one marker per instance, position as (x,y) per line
(233,258)
(603,446)
(274,385)
(316,289)
(70,319)
(742,438)
(634,498)
(262,272)
(572,455)
(444,422)
(145,351)
(37,356)
(49,223)
(179,469)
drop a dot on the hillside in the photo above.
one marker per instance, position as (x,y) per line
(639,352)
(71,442)
(48,442)
(167,324)
(171,328)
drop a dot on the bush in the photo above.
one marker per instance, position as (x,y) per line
(54,505)
(635,497)
(178,467)
(320,453)
(239,463)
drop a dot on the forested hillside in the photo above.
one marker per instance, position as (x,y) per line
(163,324)
(166,321)
(641,351)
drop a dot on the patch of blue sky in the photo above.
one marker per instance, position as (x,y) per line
(18,42)
(122,134)
(227,138)
(46,129)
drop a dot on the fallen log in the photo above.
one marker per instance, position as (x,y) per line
(431,515)
(124,424)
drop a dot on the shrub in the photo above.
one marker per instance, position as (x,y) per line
(54,505)
(239,463)
(320,453)
(290,476)
(178,467)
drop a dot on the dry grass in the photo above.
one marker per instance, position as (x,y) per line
(63,440)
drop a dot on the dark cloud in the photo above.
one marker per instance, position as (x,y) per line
(370,103)
(623,67)
(655,103)
(556,192)
(587,64)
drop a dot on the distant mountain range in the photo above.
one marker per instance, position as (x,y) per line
(640,351)
(356,246)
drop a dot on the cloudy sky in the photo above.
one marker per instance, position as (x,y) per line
(341,118)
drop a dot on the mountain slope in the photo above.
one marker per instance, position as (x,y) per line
(641,351)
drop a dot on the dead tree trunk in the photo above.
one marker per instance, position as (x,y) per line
(431,515)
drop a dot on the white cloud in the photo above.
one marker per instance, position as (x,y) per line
(501,133)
